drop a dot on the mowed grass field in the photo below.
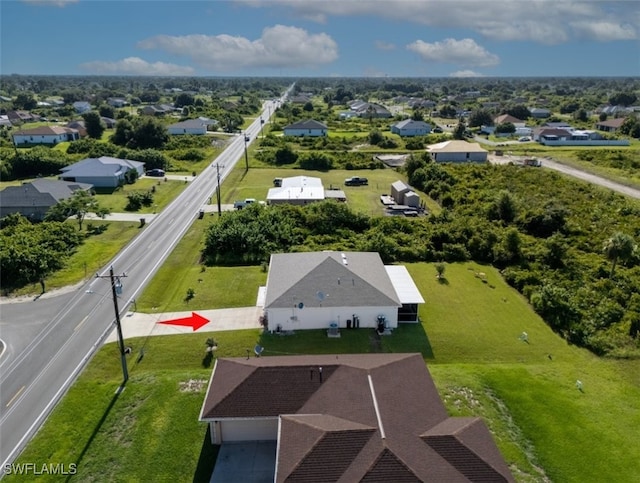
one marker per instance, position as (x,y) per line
(546,428)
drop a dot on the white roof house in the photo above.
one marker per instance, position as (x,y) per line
(300,190)
(313,290)
(409,127)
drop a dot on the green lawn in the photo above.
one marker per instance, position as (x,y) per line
(255,183)
(165,193)
(545,427)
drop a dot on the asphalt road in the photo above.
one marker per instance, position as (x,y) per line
(66,331)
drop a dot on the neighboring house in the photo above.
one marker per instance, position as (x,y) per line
(108,122)
(504,118)
(81,106)
(574,137)
(33,200)
(4,121)
(300,99)
(540,113)
(78,125)
(610,125)
(190,126)
(313,290)
(300,190)
(103,172)
(50,135)
(457,152)
(374,111)
(409,127)
(346,417)
(421,103)
(157,110)
(307,127)
(551,132)
(18,117)
(491,105)
(117,102)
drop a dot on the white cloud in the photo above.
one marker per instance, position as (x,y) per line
(279,46)
(543,21)
(382,45)
(50,3)
(465,73)
(451,51)
(604,31)
(136,66)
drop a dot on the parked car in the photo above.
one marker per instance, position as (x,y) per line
(157,173)
(356,181)
(524,139)
(238,205)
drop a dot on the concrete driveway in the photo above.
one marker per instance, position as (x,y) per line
(246,462)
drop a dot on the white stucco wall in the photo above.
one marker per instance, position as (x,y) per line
(321,317)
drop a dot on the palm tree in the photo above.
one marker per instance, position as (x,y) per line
(619,247)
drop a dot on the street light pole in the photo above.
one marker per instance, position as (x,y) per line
(115,285)
(246,156)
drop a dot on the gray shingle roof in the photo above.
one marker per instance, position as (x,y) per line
(306,124)
(40,192)
(346,279)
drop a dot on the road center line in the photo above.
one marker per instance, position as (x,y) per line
(81,322)
(16,396)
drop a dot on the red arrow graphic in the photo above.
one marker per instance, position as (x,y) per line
(195,321)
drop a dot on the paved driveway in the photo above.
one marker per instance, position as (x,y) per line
(246,462)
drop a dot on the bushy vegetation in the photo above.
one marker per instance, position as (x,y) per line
(29,252)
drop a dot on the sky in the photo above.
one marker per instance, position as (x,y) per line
(321,38)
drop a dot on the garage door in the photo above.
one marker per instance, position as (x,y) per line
(249,430)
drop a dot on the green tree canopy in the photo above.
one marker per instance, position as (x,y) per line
(78,205)
(93,124)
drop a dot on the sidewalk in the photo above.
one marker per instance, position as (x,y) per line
(137,324)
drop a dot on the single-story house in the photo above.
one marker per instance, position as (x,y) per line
(409,127)
(4,121)
(189,126)
(17,117)
(51,135)
(457,151)
(540,112)
(109,123)
(557,133)
(421,103)
(117,102)
(313,290)
(81,106)
(33,200)
(610,125)
(102,172)
(307,127)
(300,190)
(369,110)
(504,118)
(79,125)
(157,110)
(346,417)
(300,99)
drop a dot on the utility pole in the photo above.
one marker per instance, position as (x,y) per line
(218,189)
(116,286)
(246,156)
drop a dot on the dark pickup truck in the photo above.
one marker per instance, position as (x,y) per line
(356,181)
